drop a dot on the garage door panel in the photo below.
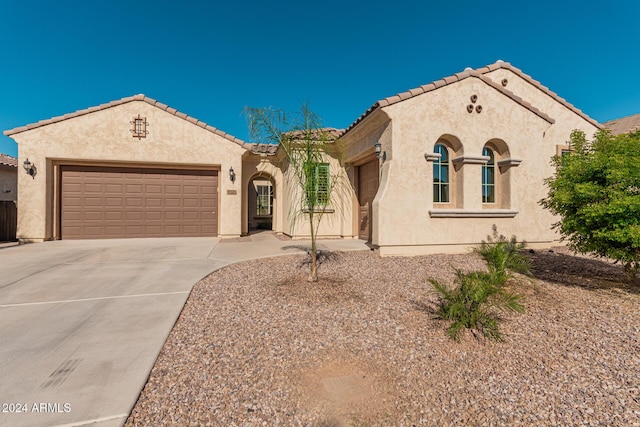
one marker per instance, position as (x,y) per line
(94,216)
(153,188)
(153,216)
(93,188)
(113,202)
(190,202)
(153,202)
(133,202)
(106,202)
(93,201)
(114,215)
(172,202)
(190,216)
(76,187)
(113,188)
(172,216)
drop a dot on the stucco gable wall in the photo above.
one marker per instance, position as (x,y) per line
(105,135)
(403,210)
(566,120)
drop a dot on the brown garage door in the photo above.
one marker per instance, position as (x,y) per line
(108,202)
(367,189)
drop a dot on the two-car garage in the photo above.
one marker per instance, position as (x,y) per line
(98,202)
(130,168)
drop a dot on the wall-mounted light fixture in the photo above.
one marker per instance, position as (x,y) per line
(30,168)
(379,153)
(232,174)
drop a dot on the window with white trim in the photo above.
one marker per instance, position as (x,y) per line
(264,199)
(441,178)
(489,177)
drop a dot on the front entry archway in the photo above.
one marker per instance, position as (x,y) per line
(261,202)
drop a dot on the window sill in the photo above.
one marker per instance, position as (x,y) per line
(319,210)
(472,213)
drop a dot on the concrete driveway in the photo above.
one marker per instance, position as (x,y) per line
(82,322)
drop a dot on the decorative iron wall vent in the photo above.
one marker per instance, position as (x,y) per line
(139,127)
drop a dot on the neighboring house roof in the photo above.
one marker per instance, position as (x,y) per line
(264,148)
(115,103)
(330,133)
(8,161)
(624,124)
(480,74)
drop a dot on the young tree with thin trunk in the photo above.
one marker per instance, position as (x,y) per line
(306,147)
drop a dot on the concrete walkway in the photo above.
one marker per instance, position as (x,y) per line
(82,322)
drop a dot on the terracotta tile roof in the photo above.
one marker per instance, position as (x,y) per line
(624,124)
(271,149)
(479,74)
(115,103)
(8,160)
(330,133)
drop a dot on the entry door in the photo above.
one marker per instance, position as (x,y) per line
(368,180)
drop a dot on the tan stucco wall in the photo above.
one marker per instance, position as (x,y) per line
(359,147)
(105,135)
(336,221)
(402,222)
(8,183)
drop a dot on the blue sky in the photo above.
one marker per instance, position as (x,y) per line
(209,59)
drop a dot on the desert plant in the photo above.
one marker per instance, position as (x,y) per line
(504,256)
(595,191)
(474,303)
(306,147)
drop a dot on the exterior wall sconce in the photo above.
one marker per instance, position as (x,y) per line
(379,153)
(30,168)
(232,174)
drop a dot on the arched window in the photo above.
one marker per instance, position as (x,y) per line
(489,177)
(441,175)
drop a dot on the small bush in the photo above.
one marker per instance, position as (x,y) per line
(474,304)
(477,298)
(504,256)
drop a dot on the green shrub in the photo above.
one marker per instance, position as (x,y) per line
(476,299)
(504,256)
(596,192)
(474,303)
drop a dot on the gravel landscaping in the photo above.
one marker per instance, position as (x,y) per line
(257,345)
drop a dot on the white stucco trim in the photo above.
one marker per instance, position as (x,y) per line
(432,157)
(471,160)
(508,163)
(473,213)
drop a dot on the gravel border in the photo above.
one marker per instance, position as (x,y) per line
(257,345)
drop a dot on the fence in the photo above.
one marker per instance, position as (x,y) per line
(8,220)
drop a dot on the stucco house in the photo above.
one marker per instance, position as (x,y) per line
(8,178)
(622,125)
(429,170)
